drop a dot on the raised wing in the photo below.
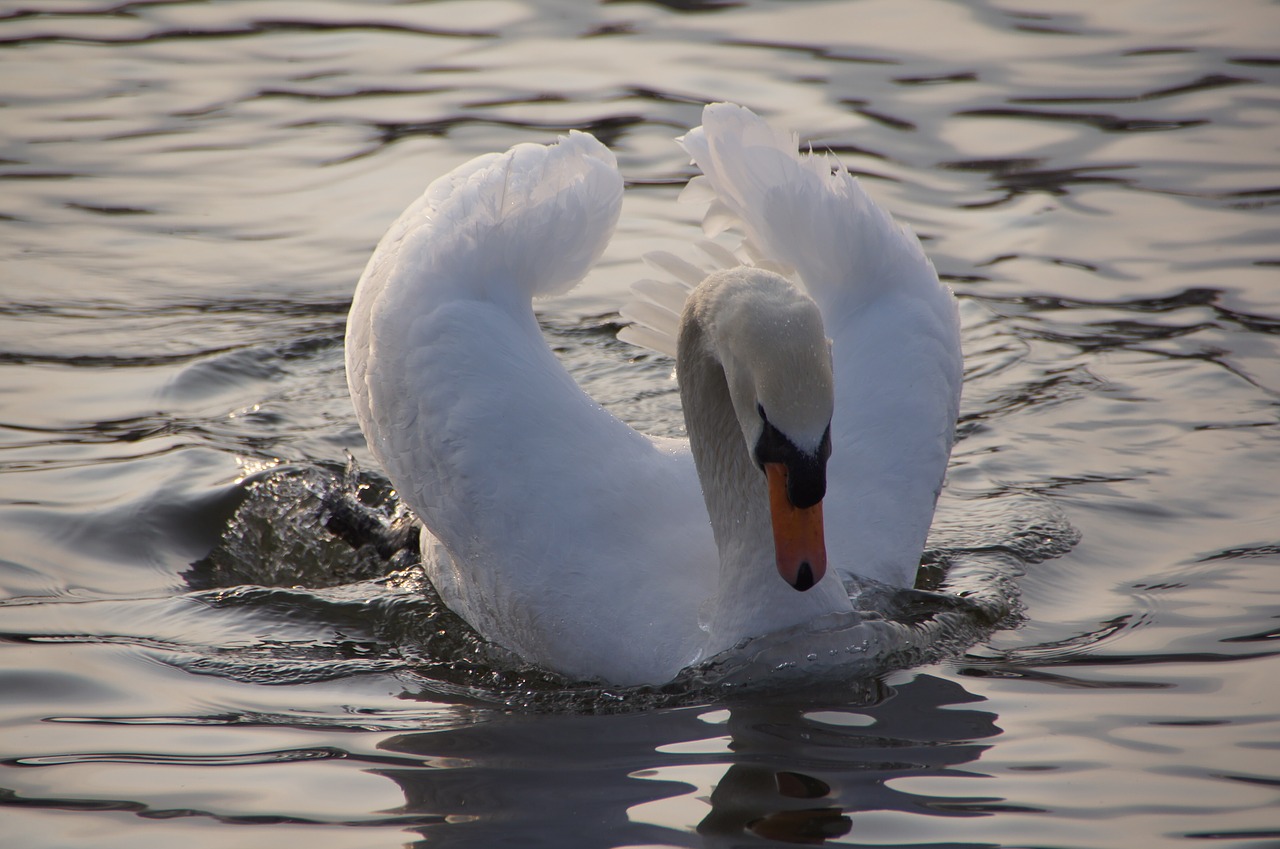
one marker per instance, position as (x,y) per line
(894,326)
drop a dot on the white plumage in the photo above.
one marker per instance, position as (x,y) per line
(564,534)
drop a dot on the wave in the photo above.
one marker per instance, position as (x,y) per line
(333,552)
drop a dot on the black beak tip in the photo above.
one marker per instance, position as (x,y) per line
(804,577)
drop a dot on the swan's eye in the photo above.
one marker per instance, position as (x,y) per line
(760,410)
(806,473)
(772,446)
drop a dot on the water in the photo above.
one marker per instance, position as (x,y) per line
(189,193)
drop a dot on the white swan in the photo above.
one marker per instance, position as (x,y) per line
(586,547)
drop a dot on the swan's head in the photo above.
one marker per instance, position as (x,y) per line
(768,338)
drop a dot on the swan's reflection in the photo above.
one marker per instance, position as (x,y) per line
(791,807)
(791,772)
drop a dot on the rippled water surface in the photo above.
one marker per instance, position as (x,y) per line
(191,657)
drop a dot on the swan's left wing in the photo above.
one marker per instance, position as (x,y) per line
(571,538)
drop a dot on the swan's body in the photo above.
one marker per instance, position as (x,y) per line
(575,541)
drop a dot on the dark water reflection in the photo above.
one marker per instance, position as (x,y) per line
(188,192)
(786,772)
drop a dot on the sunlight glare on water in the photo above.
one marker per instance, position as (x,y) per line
(190,657)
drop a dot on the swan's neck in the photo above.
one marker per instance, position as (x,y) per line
(752,598)
(732,486)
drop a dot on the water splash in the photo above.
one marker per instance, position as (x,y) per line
(334,552)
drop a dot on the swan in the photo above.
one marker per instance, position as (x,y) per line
(819,378)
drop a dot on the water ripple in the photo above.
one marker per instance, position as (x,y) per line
(190,192)
(243,759)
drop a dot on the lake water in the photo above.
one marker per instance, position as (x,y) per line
(189,193)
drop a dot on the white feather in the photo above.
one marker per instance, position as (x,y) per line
(894,326)
(563,534)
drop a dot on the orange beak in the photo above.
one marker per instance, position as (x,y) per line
(798,539)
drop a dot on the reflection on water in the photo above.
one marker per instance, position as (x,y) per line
(189,193)
(787,772)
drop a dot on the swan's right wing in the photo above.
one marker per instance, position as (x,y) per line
(802,212)
(655,306)
(802,215)
(894,328)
